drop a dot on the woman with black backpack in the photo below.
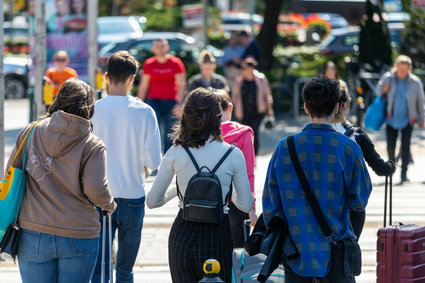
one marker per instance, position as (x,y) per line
(205,169)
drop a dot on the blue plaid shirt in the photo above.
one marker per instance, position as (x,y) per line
(336,171)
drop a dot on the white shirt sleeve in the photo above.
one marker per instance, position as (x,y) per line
(152,150)
(241,195)
(158,195)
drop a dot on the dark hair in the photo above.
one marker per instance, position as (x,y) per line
(321,94)
(224,98)
(121,66)
(74,97)
(201,118)
(243,33)
(326,66)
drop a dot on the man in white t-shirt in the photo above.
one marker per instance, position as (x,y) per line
(129,129)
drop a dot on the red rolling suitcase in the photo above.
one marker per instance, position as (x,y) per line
(400,249)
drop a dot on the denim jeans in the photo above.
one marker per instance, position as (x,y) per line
(45,258)
(128,220)
(163,110)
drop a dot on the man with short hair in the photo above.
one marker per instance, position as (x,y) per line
(252,48)
(129,129)
(334,168)
(405,107)
(163,83)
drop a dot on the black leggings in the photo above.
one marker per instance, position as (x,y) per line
(237,223)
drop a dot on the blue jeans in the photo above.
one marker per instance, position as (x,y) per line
(163,110)
(128,219)
(45,258)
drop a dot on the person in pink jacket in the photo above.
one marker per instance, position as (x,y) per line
(242,136)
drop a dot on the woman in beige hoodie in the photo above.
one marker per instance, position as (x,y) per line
(66,180)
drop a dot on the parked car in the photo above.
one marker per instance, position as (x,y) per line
(396,17)
(15,32)
(231,21)
(335,20)
(181,45)
(346,40)
(114,29)
(16,71)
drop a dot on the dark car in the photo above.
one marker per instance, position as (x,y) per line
(181,45)
(16,71)
(346,40)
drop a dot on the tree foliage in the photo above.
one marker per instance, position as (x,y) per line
(413,38)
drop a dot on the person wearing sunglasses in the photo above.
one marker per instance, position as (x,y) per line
(60,72)
(252,97)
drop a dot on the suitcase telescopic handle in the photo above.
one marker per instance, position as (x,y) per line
(388,184)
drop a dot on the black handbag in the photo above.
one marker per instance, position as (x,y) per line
(9,243)
(253,244)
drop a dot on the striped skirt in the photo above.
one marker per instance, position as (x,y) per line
(190,244)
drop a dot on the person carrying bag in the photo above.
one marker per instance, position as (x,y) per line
(346,258)
(12,189)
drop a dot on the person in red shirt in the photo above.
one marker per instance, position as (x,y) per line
(60,72)
(163,84)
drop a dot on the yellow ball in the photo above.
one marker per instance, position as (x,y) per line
(211,266)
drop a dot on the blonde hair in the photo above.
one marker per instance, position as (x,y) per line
(403,59)
(206,56)
(345,98)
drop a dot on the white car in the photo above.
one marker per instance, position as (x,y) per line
(114,29)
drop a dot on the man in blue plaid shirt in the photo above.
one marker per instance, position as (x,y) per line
(337,174)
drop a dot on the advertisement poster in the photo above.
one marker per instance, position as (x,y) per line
(66,26)
(66,29)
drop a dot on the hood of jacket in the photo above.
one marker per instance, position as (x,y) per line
(61,132)
(232,131)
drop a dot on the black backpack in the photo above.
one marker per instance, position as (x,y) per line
(203,200)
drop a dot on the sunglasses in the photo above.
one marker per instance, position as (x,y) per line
(60,59)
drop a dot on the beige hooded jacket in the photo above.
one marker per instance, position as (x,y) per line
(66,178)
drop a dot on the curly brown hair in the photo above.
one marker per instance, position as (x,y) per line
(74,97)
(200,120)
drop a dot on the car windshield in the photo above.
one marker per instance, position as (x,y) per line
(327,40)
(111,27)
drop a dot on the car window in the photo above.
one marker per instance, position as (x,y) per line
(328,40)
(351,39)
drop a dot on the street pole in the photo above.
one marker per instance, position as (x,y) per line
(205,22)
(1,90)
(39,57)
(251,8)
(92,26)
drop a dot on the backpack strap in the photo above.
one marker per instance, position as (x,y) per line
(309,194)
(193,159)
(223,158)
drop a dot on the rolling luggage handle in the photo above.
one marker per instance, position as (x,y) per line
(111,274)
(390,202)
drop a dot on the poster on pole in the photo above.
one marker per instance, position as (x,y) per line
(418,4)
(192,15)
(67,29)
